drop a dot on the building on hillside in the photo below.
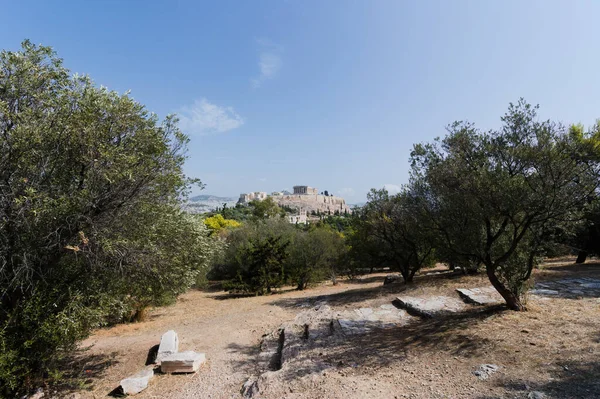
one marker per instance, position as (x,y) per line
(304,198)
(300,218)
(305,190)
(257,195)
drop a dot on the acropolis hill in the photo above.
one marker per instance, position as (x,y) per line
(304,198)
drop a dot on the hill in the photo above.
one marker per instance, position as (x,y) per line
(206,203)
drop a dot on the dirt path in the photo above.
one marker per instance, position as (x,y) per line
(553,348)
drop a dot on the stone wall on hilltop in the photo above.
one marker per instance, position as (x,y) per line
(313,202)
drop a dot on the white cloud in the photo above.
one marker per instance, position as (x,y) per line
(203,118)
(262,179)
(392,188)
(269,61)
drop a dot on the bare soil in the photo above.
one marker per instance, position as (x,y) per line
(553,348)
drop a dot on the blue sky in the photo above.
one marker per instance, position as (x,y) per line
(330,94)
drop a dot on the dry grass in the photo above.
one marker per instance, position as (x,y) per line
(554,347)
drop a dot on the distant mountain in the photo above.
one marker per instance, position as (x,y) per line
(208,197)
(206,203)
(357,205)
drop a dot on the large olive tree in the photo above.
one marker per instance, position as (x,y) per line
(493,196)
(90,225)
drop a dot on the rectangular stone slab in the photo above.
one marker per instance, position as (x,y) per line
(480,296)
(137,382)
(182,362)
(430,306)
(568,288)
(169,344)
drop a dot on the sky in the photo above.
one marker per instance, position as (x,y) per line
(331,94)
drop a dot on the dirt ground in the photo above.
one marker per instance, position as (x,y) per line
(553,348)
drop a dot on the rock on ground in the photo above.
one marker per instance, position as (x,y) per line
(182,362)
(364,320)
(137,382)
(431,306)
(480,296)
(536,395)
(569,288)
(390,278)
(169,344)
(485,371)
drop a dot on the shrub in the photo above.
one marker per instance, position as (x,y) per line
(91,228)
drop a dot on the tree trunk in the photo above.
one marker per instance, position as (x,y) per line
(406,276)
(581,257)
(512,301)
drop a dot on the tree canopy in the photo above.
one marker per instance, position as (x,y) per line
(494,196)
(91,230)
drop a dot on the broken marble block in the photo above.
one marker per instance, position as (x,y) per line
(430,306)
(481,295)
(137,382)
(169,344)
(182,362)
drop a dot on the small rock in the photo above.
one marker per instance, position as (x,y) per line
(137,382)
(536,395)
(250,388)
(183,362)
(390,278)
(169,344)
(485,371)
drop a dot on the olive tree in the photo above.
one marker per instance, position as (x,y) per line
(394,233)
(314,256)
(91,229)
(493,196)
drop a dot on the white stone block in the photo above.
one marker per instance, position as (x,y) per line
(137,382)
(169,344)
(183,362)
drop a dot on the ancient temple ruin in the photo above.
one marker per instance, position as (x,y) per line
(304,199)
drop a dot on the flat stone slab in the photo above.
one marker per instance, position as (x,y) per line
(364,320)
(568,288)
(430,306)
(169,344)
(480,296)
(182,362)
(137,382)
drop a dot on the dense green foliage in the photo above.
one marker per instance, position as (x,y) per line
(392,232)
(91,231)
(494,198)
(265,254)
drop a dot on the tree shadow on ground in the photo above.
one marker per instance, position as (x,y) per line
(340,298)
(569,380)
(383,346)
(368,279)
(250,352)
(591,268)
(80,369)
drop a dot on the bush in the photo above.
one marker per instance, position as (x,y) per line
(264,254)
(92,231)
(315,256)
